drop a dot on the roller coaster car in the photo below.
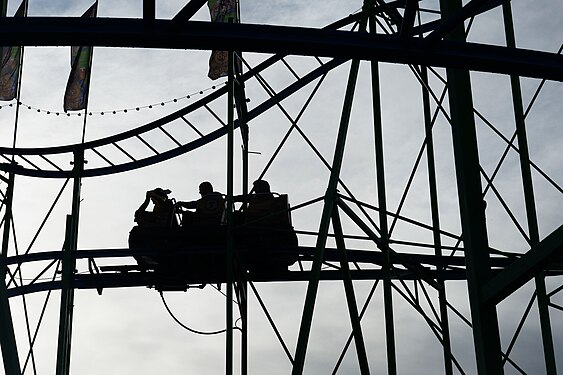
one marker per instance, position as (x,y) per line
(264,240)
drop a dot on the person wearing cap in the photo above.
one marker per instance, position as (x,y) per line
(161,214)
(208,209)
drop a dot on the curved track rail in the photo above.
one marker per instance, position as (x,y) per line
(29,155)
(40,162)
(443,268)
(52,162)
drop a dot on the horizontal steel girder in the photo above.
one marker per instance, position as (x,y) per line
(119,32)
(150,279)
(455,269)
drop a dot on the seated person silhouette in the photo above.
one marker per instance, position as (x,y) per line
(260,202)
(161,214)
(209,209)
(267,235)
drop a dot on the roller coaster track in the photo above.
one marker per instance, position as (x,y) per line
(53,162)
(444,268)
(91,150)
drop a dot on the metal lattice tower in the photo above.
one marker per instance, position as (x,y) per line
(355,239)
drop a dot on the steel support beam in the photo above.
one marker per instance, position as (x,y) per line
(390,10)
(433,190)
(67,302)
(456,19)
(525,268)
(149,10)
(108,280)
(187,12)
(120,32)
(242,290)
(382,202)
(7,335)
(67,275)
(528,187)
(406,32)
(486,335)
(230,218)
(329,202)
(350,295)
(545,324)
(242,113)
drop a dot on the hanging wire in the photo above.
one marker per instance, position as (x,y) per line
(112,111)
(206,333)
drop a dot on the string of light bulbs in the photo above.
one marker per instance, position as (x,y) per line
(112,111)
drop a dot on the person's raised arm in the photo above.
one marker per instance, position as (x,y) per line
(188,205)
(145,204)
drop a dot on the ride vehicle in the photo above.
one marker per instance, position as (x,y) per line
(195,242)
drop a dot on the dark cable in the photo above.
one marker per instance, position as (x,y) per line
(188,328)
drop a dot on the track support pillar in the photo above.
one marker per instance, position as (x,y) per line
(444,322)
(329,202)
(382,202)
(230,224)
(533,229)
(486,336)
(350,295)
(7,335)
(68,269)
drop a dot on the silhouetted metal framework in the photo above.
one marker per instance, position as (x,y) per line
(491,275)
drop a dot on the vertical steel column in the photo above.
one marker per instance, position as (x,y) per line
(242,110)
(7,335)
(243,282)
(545,322)
(350,295)
(230,245)
(68,266)
(243,309)
(77,185)
(329,200)
(448,367)
(543,299)
(67,298)
(472,209)
(382,202)
(149,10)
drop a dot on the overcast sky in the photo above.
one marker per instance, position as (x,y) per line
(128,331)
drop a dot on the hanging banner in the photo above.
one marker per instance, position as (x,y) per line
(221,11)
(77,87)
(10,64)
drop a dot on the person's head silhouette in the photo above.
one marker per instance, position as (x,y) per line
(205,188)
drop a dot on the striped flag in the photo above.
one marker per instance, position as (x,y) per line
(221,11)
(76,92)
(10,64)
